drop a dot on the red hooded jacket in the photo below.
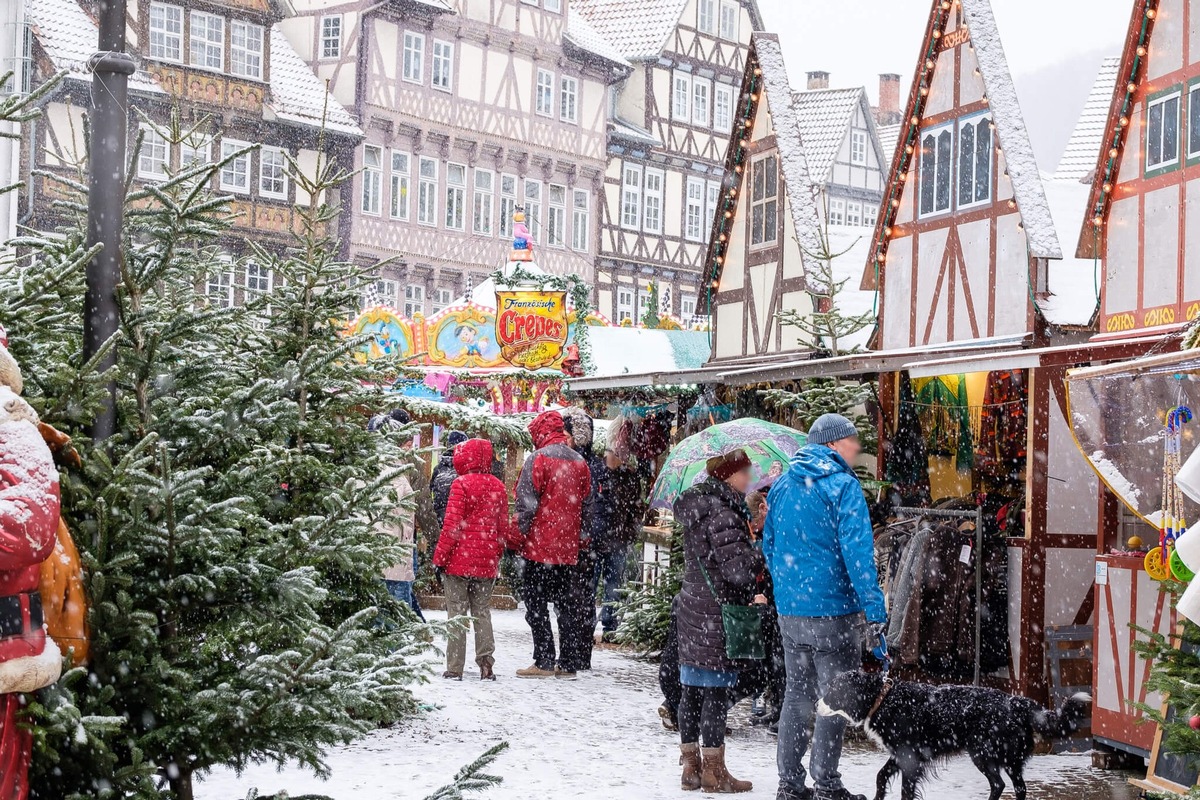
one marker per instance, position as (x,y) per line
(555,482)
(477,525)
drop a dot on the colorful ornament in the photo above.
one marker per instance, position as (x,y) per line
(1195,722)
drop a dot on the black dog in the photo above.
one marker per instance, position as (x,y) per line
(919,725)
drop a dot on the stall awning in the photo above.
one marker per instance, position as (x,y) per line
(1030,358)
(647,379)
(872,362)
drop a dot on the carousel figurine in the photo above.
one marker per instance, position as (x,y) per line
(522,243)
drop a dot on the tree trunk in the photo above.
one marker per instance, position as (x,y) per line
(181,785)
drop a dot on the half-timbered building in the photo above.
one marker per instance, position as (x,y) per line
(227,74)
(666,144)
(15,57)
(471,110)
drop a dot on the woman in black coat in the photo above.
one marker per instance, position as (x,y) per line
(716,534)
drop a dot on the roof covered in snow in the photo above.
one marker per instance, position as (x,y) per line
(637,29)
(583,34)
(636,351)
(298,95)
(792,158)
(824,116)
(627,130)
(1073,282)
(1079,159)
(1011,132)
(889,139)
(69,37)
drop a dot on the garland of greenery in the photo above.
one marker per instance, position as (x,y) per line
(581,300)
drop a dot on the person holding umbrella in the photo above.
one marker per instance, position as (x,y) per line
(720,568)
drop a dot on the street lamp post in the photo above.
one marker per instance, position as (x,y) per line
(111,68)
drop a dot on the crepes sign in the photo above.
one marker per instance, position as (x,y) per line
(531,327)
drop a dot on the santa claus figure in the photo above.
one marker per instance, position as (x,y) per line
(29,522)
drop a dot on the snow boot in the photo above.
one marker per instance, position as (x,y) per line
(565,674)
(486,673)
(452,676)
(535,672)
(689,758)
(668,718)
(715,778)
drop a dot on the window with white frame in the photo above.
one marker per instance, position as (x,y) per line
(729,20)
(710,207)
(552,5)
(723,107)
(401,175)
(508,203)
(631,196)
(442,75)
(837,211)
(413,66)
(372,179)
(687,306)
(701,102)
(1162,131)
(258,280)
(427,179)
(681,97)
(870,214)
(235,173)
(568,99)
(1194,121)
(853,213)
(380,292)
(441,299)
(556,219)
(936,168)
(482,206)
(643,303)
(974,161)
(706,16)
(155,155)
(414,300)
(652,201)
(533,208)
(693,216)
(166,32)
(456,197)
(331,36)
(580,221)
(764,201)
(272,173)
(624,303)
(206,40)
(544,93)
(858,147)
(193,150)
(246,49)
(218,288)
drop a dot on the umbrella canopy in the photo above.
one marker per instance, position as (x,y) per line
(768,445)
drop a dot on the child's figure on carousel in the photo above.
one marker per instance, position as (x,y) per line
(522,243)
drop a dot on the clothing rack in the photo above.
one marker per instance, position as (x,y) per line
(977,517)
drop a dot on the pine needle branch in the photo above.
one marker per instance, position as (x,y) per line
(472,778)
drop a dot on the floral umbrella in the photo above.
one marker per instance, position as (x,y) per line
(769,446)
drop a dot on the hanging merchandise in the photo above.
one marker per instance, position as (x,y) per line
(1171,523)
(946,417)
(1003,426)
(907,461)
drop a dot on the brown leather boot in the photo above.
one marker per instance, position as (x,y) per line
(689,757)
(715,777)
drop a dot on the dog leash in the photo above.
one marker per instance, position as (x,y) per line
(885,669)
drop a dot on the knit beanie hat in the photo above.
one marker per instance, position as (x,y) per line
(722,467)
(831,428)
(455,438)
(579,425)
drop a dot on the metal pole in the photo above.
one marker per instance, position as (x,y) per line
(111,68)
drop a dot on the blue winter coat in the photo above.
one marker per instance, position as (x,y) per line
(818,542)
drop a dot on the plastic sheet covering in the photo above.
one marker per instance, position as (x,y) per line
(1118,418)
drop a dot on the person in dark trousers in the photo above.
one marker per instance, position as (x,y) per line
(770,679)
(721,566)
(580,427)
(821,553)
(617,521)
(668,676)
(444,474)
(554,484)
(476,531)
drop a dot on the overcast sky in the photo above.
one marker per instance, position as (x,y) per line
(1053,48)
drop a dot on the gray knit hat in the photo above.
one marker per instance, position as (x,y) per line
(830,428)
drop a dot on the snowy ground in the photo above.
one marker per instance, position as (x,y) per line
(598,737)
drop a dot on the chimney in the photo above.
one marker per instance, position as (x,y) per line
(818,80)
(889,99)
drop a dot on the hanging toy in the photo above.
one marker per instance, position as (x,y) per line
(1160,562)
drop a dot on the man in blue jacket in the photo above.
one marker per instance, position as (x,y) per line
(821,554)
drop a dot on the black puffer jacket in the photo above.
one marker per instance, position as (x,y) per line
(439,485)
(716,531)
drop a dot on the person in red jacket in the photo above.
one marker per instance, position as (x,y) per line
(554,484)
(476,529)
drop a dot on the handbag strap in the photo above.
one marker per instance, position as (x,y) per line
(708,580)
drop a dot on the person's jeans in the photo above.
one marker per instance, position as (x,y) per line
(541,585)
(473,597)
(816,650)
(610,568)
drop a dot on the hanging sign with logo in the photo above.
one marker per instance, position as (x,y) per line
(531,327)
